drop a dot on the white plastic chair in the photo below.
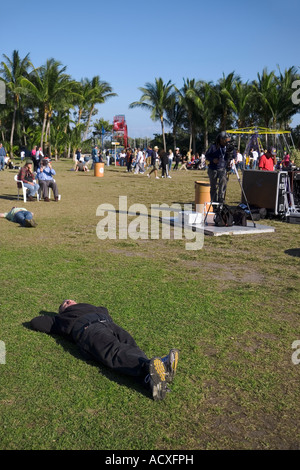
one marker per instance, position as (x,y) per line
(49,192)
(23,189)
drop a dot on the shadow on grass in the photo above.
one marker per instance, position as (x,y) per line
(71,348)
(10,197)
(293,252)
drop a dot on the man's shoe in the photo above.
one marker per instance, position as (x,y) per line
(30,198)
(158,382)
(170,361)
(47,199)
(30,223)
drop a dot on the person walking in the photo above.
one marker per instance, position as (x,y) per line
(154,163)
(177,159)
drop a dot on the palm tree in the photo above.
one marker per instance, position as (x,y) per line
(286,106)
(175,116)
(187,100)
(225,89)
(205,99)
(95,92)
(14,70)
(157,98)
(266,95)
(50,87)
(242,96)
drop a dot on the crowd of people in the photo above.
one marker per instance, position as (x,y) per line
(37,173)
(146,161)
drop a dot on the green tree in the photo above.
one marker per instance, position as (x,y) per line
(156,98)
(187,100)
(175,116)
(14,70)
(225,90)
(205,99)
(95,92)
(51,88)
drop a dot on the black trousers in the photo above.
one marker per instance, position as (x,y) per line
(110,345)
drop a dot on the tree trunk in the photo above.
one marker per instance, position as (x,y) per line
(163,133)
(43,131)
(88,124)
(174,138)
(24,135)
(11,153)
(205,140)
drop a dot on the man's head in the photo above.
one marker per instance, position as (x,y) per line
(271,152)
(223,138)
(65,304)
(29,164)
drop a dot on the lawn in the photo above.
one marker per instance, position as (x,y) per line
(232,308)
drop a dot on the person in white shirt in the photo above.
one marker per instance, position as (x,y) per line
(140,159)
(170,156)
(239,161)
(255,158)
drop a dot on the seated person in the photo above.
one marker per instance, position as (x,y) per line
(19,216)
(80,166)
(27,177)
(45,177)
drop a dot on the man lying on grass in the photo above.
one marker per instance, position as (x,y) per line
(100,339)
(20,216)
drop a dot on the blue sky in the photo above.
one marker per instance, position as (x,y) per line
(131,43)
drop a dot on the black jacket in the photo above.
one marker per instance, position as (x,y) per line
(63,323)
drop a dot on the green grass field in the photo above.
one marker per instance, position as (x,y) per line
(232,308)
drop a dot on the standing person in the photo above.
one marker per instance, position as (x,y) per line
(164,164)
(154,163)
(45,177)
(129,157)
(107,157)
(185,160)
(100,339)
(22,154)
(27,177)
(239,161)
(139,167)
(170,157)
(2,157)
(177,158)
(38,158)
(21,216)
(149,153)
(219,156)
(255,159)
(122,157)
(78,155)
(268,160)
(95,156)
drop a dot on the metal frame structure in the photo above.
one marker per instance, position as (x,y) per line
(255,133)
(120,132)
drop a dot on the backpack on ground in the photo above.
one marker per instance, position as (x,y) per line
(239,217)
(223,216)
